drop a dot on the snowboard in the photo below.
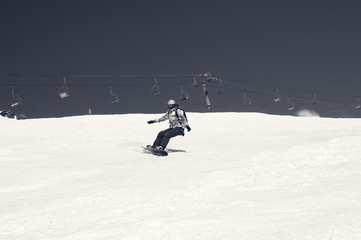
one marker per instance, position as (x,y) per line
(155,152)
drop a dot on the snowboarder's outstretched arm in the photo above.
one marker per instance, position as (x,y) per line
(165,117)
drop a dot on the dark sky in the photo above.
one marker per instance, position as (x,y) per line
(302,47)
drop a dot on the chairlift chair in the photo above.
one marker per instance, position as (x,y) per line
(16,99)
(358,103)
(277,96)
(155,89)
(184,95)
(290,105)
(314,101)
(219,86)
(195,83)
(247,100)
(63,91)
(114,98)
(331,108)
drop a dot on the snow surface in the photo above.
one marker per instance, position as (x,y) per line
(243,176)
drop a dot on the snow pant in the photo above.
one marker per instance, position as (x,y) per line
(165,135)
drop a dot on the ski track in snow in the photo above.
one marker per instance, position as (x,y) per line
(243,176)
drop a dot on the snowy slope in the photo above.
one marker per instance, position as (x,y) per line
(243,176)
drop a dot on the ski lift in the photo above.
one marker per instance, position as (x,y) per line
(205,78)
(184,95)
(290,105)
(358,103)
(63,91)
(113,96)
(314,101)
(219,86)
(155,89)
(16,99)
(331,108)
(246,99)
(277,96)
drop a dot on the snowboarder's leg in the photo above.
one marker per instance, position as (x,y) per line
(159,138)
(169,133)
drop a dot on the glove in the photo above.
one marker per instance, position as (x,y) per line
(151,121)
(188,128)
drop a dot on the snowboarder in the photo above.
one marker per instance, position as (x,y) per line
(177,123)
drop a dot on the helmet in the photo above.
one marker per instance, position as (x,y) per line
(171,103)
